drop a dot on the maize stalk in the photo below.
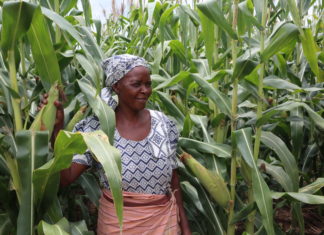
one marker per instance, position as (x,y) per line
(212,182)
(76,118)
(45,119)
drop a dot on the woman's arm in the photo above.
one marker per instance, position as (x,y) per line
(70,174)
(175,185)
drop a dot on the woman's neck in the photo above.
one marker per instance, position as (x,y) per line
(128,115)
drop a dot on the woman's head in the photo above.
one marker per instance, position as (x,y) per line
(129,77)
(116,67)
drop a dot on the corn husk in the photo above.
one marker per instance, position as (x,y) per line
(211,181)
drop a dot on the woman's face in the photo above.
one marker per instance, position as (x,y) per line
(134,89)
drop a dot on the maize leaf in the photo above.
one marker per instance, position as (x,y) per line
(76,118)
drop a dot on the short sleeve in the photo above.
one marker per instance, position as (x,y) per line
(173,135)
(86,125)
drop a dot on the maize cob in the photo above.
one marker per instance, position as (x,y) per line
(212,182)
(45,119)
(76,118)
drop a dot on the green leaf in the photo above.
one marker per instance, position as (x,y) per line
(302,197)
(164,26)
(31,153)
(297,131)
(222,101)
(214,13)
(109,157)
(86,6)
(178,49)
(5,224)
(16,19)
(310,51)
(278,174)
(63,24)
(313,187)
(91,68)
(174,80)
(46,177)
(43,51)
(290,105)
(261,190)
(287,159)
(243,213)
(171,107)
(89,42)
(80,228)
(292,7)
(284,36)
(245,8)
(91,187)
(208,32)
(105,113)
(243,67)
(221,150)
(62,227)
(278,83)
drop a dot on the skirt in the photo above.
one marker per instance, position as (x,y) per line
(143,214)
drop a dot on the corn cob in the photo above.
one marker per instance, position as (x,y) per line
(76,118)
(212,182)
(45,119)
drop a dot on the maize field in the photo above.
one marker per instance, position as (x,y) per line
(243,81)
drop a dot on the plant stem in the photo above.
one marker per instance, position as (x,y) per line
(14,87)
(57,29)
(231,227)
(251,217)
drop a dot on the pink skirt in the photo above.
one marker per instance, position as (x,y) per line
(144,214)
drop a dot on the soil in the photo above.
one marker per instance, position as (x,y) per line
(314,222)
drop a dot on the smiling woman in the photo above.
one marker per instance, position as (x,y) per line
(147,141)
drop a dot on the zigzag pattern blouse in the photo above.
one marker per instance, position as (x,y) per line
(146,164)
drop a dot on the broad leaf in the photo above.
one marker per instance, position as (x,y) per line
(313,187)
(261,190)
(221,150)
(105,113)
(302,197)
(222,101)
(16,19)
(287,159)
(30,154)
(283,37)
(212,11)
(43,51)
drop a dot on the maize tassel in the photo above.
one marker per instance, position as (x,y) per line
(212,182)
(45,119)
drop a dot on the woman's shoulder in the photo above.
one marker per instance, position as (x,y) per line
(161,117)
(88,124)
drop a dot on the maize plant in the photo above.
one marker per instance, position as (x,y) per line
(243,81)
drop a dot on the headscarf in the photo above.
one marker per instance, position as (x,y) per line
(115,68)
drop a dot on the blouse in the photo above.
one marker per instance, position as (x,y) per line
(146,164)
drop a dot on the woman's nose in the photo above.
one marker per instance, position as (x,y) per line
(145,89)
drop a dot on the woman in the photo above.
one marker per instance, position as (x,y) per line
(147,141)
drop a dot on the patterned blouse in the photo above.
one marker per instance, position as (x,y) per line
(146,164)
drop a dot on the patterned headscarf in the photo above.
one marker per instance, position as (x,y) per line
(115,68)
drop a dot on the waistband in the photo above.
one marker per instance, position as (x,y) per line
(136,199)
